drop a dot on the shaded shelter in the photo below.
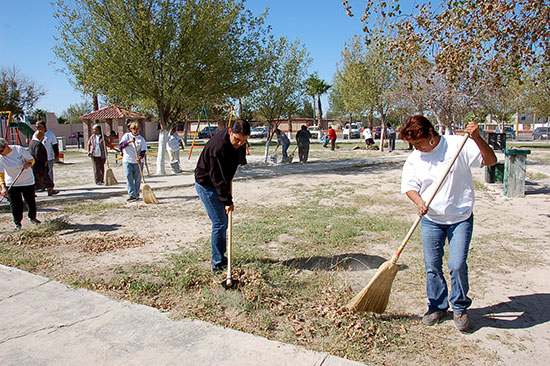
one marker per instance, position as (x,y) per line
(116,119)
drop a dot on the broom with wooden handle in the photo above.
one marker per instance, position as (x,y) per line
(148,195)
(374,297)
(110,179)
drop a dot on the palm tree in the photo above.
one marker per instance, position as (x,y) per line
(316,87)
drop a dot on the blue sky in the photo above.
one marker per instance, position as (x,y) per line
(27,31)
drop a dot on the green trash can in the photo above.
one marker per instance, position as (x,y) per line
(495,173)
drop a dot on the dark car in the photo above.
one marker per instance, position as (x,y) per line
(207,132)
(510,133)
(541,133)
(377,132)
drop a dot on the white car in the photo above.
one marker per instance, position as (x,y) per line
(355,132)
(315,133)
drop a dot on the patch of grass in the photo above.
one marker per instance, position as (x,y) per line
(98,245)
(17,256)
(479,186)
(89,208)
(534,176)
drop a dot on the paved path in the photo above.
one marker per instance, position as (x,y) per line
(43,322)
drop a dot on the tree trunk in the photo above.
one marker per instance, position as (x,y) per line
(185,130)
(316,123)
(319,110)
(163,139)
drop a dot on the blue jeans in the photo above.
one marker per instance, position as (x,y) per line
(285,151)
(50,168)
(216,212)
(433,242)
(133,178)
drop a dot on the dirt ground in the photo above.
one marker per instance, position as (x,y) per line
(509,258)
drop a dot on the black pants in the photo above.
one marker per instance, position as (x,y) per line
(99,168)
(303,152)
(16,196)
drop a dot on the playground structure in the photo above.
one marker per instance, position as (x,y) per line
(9,129)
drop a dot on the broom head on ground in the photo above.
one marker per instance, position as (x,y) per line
(110,179)
(146,191)
(148,195)
(374,297)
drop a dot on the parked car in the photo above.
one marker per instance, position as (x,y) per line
(377,132)
(315,133)
(510,133)
(205,132)
(259,132)
(541,133)
(355,132)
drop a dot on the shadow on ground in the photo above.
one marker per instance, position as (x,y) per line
(520,312)
(77,228)
(347,262)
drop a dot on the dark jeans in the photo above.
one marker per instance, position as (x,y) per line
(16,196)
(216,212)
(332,144)
(303,152)
(99,168)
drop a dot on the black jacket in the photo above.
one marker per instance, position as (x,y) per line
(217,165)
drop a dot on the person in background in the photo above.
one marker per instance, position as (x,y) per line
(214,173)
(174,143)
(282,139)
(97,144)
(129,143)
(38,151)
(391,136)
(17,181)
(51,144)
(302,137)
(332,136)
(367,135)
(450,215)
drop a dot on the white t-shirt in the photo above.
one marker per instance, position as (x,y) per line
(174,142)
(49,140)
(97,146)
(454,201)
(129,152)
(367,133)
(12,164)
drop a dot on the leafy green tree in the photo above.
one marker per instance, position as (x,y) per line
(18,93)
(465,38)
(316,87)
(74,111)
(174,55)
(282,84)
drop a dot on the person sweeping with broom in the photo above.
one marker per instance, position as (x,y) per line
(215,170)
(133,147)
(97,150)
(448,216)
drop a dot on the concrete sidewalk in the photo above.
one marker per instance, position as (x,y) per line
(43,322)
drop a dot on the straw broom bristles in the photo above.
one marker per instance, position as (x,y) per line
(146,191)
(148,195)
(110,179)
(374,297)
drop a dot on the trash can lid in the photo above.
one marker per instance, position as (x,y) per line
(516,151)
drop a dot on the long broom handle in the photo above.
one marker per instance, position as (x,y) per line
(12,183)
(430,198)
(106,153)
(229,242)
(139,164)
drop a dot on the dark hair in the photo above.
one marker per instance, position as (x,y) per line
(241,127)
(304,127)
(41,123)
(417,127)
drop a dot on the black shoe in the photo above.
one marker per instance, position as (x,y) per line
(35,221)
(17,227)
(131,198)
(52,192)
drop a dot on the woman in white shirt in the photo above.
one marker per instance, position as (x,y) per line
(97,151)
(17,181)
(449,216)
